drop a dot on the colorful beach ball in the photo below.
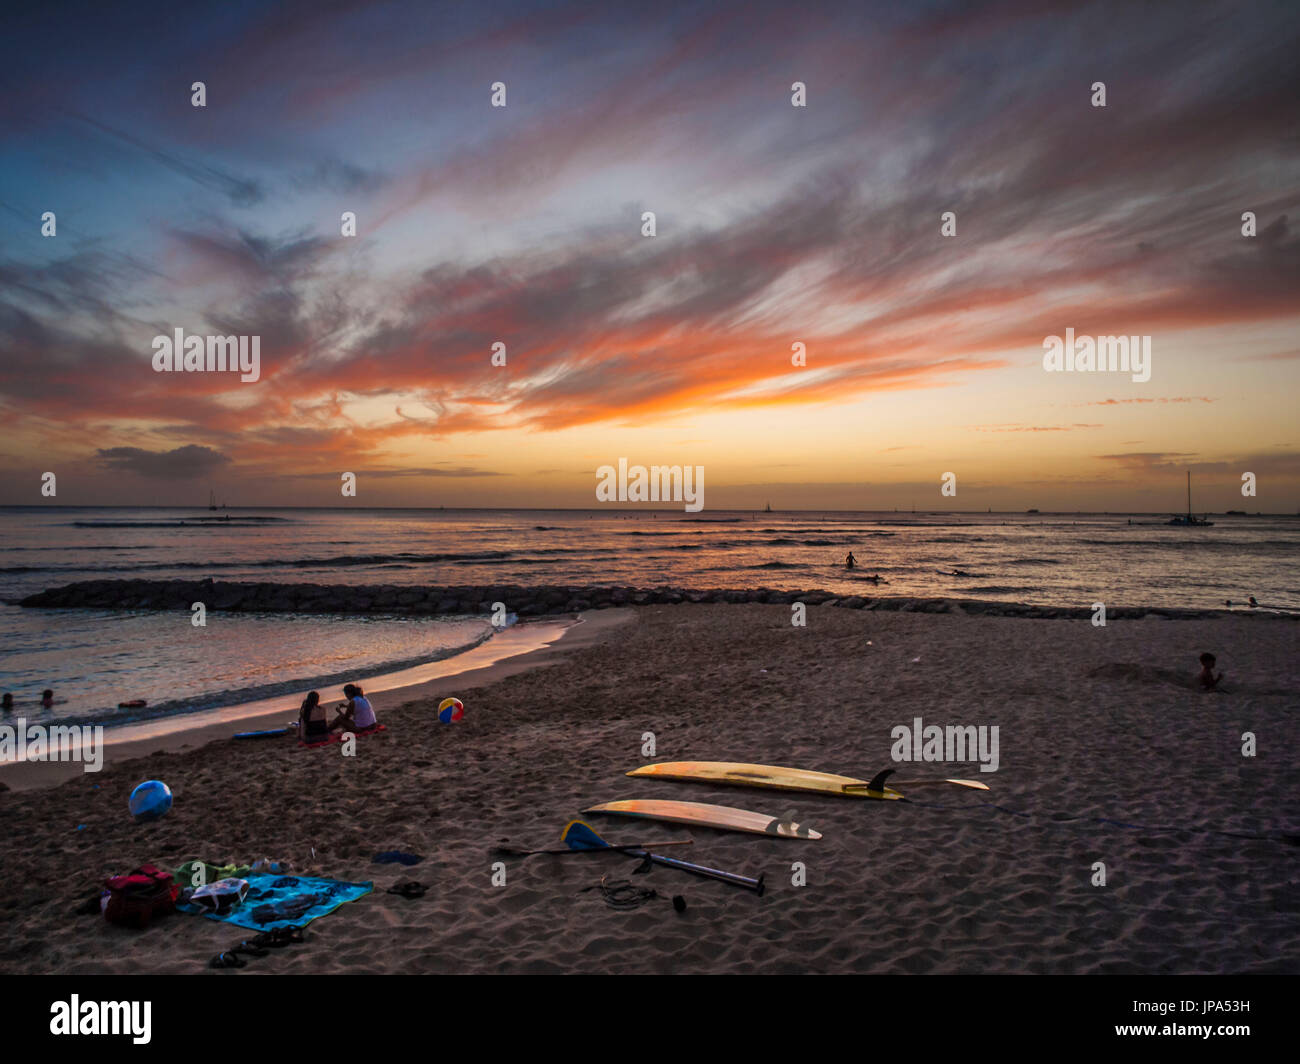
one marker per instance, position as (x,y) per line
(151,800)
(450,709)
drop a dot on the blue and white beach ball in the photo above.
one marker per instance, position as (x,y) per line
(450,709)
(151,800)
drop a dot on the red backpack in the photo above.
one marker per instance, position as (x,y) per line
(136,898)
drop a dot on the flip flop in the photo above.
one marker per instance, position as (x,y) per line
(228,959)
(411,889)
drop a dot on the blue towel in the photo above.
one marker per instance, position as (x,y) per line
(286,901)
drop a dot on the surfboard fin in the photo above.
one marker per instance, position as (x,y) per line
(878,780)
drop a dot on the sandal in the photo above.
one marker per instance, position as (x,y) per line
(280,936)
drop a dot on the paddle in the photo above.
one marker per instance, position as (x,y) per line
(580,836)
(631,847)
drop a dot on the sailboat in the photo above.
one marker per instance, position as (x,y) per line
(212,500)
(1189,520)
(767,509)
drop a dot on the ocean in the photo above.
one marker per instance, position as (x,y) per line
(94,659)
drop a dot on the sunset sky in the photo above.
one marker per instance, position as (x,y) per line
(775,225)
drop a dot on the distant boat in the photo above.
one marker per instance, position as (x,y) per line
(768,508)
(1031,511)
(1189,520)
(212,500)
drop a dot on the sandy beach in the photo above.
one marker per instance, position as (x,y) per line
(1107,754)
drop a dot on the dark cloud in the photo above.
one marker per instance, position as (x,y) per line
(459,472)
(341,177)
(183,463)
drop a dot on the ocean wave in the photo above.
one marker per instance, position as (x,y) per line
(77,550)
(183,522)
(787,541)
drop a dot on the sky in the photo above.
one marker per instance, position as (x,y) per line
(775,225)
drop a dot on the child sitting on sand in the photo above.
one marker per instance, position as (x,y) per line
(358,714)
(1206,677)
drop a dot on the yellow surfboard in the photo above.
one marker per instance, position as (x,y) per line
(773,777)
(700,814)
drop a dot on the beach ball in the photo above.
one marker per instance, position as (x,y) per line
(150,801)
(450,709)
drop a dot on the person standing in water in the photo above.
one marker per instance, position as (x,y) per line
(850,561)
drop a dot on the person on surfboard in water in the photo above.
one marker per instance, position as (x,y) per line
(850,561)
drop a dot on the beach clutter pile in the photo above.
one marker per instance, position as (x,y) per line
(263,896)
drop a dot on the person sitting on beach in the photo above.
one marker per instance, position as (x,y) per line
(850,561)
(358,714)
(47,698)
(1206,677)
(311,718)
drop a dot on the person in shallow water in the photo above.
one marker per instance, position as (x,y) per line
(47,698)
(850,561)
(357,715)
(311,718)
(7,703)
